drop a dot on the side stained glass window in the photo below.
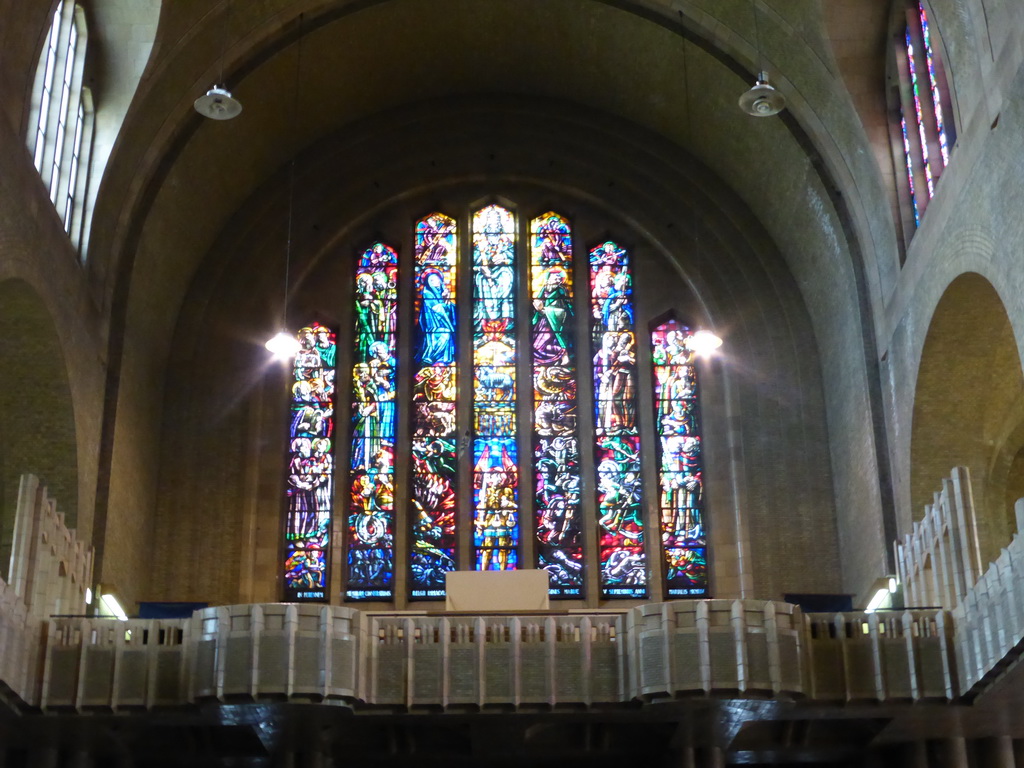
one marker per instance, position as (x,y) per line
(915,89)
(371,525)
(495,455)
(556,453)
(681,473)
(933,82)
(435,391)
(926,131)
(310,488)
(908,158)
(619,497)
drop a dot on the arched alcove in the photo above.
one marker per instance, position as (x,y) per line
(223,440)
(967,406)
(37,427)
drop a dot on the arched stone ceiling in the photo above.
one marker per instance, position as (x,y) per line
(628,59)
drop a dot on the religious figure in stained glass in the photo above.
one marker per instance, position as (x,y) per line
(437,320)
(681,475)
(495,467)
(615,378)
(310,478)
(372,455)
(619,497)
(434,465)
(493,274)
(556,459)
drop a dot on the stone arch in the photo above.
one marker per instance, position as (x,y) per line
(969,406)
(37,425)
(771,364)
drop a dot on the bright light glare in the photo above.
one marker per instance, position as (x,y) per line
(88,596)
(283,346)
(111,604)
(704,343)
(876,601)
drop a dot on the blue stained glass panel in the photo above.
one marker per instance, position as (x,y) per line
(435,394)
(495,467)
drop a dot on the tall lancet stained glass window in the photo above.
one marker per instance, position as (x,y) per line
(617,456)
(495,453)
(681,471)
(371,522)
(556,451)
(435,423)
(310,485)
(925,109)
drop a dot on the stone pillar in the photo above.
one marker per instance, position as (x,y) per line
(713,757)
(954,753)
(999,753)
(918,754)
(1018,753)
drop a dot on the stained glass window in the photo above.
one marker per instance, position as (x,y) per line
(919,114)
(933,81)
(435,391)
(495,452)
(477,426)
(556,452)
(617,457)
(310,487)
(908,160)
(925,133)
(371,524)
(680,469)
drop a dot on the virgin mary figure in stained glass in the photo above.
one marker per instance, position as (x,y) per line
(437,321)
